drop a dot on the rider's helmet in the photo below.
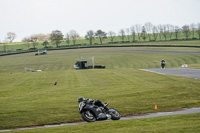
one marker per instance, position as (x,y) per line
(80,99)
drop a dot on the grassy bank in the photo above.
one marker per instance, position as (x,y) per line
(173,124)
(33,99)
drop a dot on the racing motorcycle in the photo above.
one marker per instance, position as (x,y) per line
(95,111)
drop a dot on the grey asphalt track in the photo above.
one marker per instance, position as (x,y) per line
(184,72)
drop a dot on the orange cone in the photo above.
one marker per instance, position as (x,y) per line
(156,107)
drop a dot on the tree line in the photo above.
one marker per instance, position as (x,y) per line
(147,31)
(136,33)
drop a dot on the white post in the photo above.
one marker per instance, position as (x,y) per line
(93,62)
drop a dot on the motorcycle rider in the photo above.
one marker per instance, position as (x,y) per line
(163,64)
(97,102)
(92,111)
(80,99)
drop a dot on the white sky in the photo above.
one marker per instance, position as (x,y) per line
(27,17)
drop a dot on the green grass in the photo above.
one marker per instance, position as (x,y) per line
(29,98)
(112,58)
(173,124)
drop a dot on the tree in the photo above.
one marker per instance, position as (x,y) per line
(27,40)
(90,36)
(56,36)
(160,31)
(171,30)
(73,36)
(133,33)
(149,27)
(144,33)
(192,28)
(111,34)
(122,34)
(155,32)
(165,31)
(128,31)
(34,40)
(67,38)
(101,35)
(198,30)
(45,43)
(177,31)
(4,45)
(186,31)
(138,30)
(11,36)
(42,37)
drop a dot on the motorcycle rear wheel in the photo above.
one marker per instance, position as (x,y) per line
(88,116)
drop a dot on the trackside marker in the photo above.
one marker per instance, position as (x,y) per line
(156,107)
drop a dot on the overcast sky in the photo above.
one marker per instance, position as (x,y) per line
(27,17)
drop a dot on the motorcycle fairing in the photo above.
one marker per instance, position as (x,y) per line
(111,110)
(93,110)
(102,116)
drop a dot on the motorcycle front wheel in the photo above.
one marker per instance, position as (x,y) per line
(88,116)
(114,114)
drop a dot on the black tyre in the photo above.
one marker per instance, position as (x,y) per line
(114,114)
(88,116)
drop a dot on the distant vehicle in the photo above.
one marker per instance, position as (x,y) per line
(41,52)
(95,111)
(83,65)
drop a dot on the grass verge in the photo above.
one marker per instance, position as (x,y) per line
(174,124)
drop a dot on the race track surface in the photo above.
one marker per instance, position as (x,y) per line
(184,72)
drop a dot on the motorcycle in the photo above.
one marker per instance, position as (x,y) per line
(91,111)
